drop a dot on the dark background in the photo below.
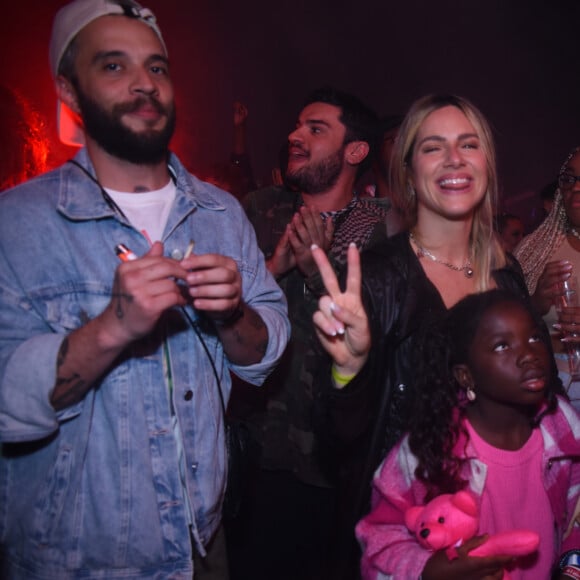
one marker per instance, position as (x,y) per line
(516,60)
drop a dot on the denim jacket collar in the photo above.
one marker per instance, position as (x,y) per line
(87,203)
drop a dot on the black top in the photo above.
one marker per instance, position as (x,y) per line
(362,421)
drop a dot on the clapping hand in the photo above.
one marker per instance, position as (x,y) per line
(341,322)
(294,248)
(307,228)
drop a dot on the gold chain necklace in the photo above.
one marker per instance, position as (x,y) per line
(467,269)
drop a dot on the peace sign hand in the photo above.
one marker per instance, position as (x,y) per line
(341,322)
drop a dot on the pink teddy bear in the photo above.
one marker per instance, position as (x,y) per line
(450,519)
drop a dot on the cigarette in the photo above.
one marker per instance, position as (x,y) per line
(189,249)
(124,253)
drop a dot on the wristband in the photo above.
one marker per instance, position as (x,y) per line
(340,380)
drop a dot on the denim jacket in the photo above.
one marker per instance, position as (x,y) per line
(94,490)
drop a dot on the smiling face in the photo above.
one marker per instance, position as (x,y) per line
(508,361)
(448,166)
(571,192)
(122,89)
(316,149)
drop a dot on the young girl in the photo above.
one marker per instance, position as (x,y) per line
(487,420)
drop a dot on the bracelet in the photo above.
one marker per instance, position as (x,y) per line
(571,571)
(340,380)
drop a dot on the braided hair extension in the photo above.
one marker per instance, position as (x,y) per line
(535,250)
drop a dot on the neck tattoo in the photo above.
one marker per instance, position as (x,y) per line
(467,269)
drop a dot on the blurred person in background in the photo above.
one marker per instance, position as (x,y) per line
(235,176)
(510,230)
(24,146)
(381,189)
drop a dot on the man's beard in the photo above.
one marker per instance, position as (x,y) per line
(106,128)
(317,177)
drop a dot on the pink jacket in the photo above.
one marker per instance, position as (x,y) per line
(390,551)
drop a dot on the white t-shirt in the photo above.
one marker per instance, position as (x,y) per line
(147,211)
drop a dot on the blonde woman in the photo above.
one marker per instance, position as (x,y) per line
(445,177)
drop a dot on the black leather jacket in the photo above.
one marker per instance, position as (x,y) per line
(367,417)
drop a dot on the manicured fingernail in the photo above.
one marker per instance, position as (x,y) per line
(313,247)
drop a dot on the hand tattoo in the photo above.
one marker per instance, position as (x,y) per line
(119,298)
(67,390)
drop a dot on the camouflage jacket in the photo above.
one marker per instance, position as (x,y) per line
(280,414)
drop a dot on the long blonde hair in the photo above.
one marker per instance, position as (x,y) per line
(485,249)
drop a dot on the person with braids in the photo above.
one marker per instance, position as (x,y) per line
(551,253)
(488,419)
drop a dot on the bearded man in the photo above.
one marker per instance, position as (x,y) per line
(116,337)
(290,522)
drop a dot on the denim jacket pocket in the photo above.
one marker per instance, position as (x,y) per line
(51,502)
(70,307)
